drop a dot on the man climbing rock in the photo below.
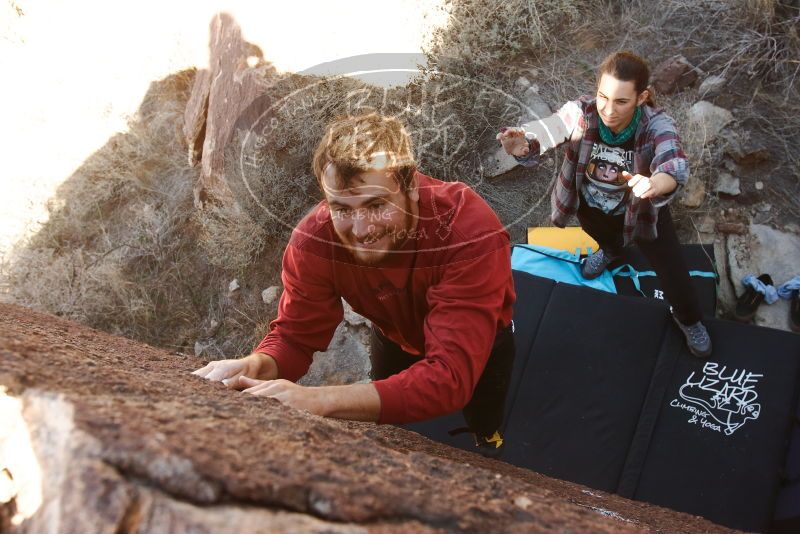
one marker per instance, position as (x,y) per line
(426,261)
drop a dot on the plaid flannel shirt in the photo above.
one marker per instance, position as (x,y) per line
(657,148)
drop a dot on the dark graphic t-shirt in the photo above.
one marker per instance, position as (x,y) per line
(604,187)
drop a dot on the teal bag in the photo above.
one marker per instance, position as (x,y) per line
(557,265)
(628,271)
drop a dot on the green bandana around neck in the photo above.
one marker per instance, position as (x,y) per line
(610,138)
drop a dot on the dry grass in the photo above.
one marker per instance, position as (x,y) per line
(483,38)
(125,250)
(280,134)
(753,44)
(230,238)
(487,46)
(119,249)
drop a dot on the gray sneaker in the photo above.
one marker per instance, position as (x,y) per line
(697,338)
(594,265)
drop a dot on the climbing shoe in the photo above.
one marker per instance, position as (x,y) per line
(594,265)
(697,338)
(750,300)
(490,446)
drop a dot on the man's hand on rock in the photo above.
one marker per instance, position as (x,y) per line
(257,374)
(229,372)
(288,393)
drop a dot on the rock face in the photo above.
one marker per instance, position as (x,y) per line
(347,359)
(236,76)
(693,193)
(102,434)
(673,75)
(727,184)
(710,118)
(765,250)
(711,86)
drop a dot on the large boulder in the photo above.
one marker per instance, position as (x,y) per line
(693,193)
(765,250)
(709,119)
(711,86)
(346,360)
(102,434)
(673,75)
(236,76)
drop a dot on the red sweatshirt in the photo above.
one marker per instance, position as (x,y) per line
(443,295)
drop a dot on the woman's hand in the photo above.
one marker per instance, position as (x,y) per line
(643,187)
(514,141)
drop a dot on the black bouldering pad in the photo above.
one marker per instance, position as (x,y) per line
(606,394)
(718,446)
(584,384)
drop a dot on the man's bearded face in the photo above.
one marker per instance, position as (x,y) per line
(372,215)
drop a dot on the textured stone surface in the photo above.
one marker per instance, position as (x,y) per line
(345,362)
(535,105)
(352,317)
(673,75)
(693,193)
(745,148)
(270,295)
(102,434)
(711,86)
(727,184)
(765,250)
(710,118)
(347,359)
(194,117)
(236,76)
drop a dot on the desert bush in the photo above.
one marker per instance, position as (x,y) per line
(482,39)
(738,39)
(118,250)
(229,236)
